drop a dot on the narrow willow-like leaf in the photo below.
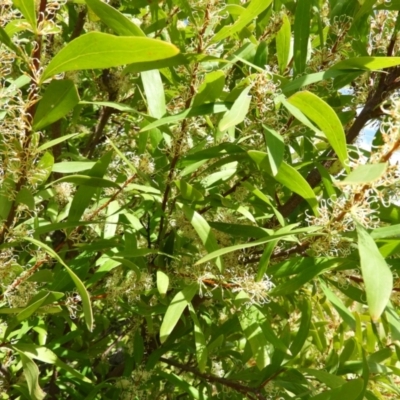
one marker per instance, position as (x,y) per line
(58,100)
(154,91)
(59,140)
(323,115)
(114,19)
(188,192)
(211,88)
(200,340)
(364,174)
(162,283)
(101,50)
(28,10)
(4,38)
(283,44)
(175,310)
(71,167)
(287,176)
(301,34)
(202,228)
(238,111)
(87,307)
(255,8)
(275,149)
(31,372)
(367,63)
(349,391)
(87,181)
(377,276)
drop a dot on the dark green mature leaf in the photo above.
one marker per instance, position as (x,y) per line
(348,391)
(101,50)
(4,38)
(304,328)
(114,19)
(58,100)
(175,310)
(301,34)
(200,340)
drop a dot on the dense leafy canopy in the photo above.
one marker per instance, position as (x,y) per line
(199,199)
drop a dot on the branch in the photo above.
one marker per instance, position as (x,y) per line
(246,390)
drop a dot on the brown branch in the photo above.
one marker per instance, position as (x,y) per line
(80,22)
(245,390)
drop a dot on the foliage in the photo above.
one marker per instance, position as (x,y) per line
(187,206)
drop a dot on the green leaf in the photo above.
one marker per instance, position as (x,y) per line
(304,328)
(162,283)
(254,8)
(264,260)
(342,310)
(44,354)
(364,174)
(87,307)
(378,278)
(288,177)
(31,372)
(71,167)
(87,181)
(323,115)
(267,239)
(154,91)
(4,38)
(205,109)
(43,169)
(54,142)
(238,111)
(188,192)
(275,149)
(101,50)
(114,19)
(28,10)
(349,391)
(175,310)
(31,308)
(211,88)
(367,63)
(250,319)
(202,228)
(330,380)
(58,100)
(25,196)
(283,44)
(301,35)
(200,340)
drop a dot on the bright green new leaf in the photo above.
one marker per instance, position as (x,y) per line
(211,88)
(43,169)
(87,181)
(114,19)
(323,115)
(255,8)
(367,63)
(71,167)
(58,100)
(288,177)
(200,340)
(101,50)
(162,283)
(377,276)
(205,233)
(188,192)
(87,307)
(154,91)
(283,44)
(238,111)
(364,174)
(28,10)
(175,310)
(275,149)
(31,372)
